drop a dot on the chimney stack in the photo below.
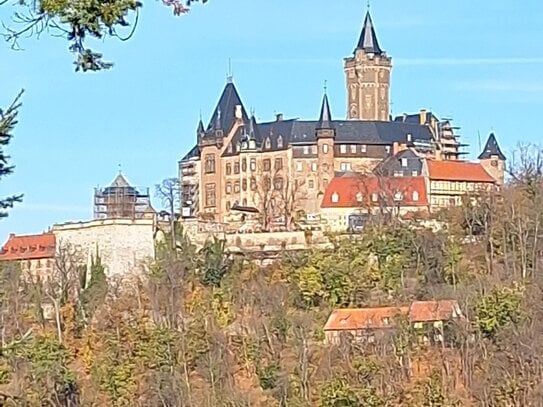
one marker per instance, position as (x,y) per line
(422,116)
(279,117)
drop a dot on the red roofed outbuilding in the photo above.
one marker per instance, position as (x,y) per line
(35,253)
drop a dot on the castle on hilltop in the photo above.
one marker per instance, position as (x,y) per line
(329,167)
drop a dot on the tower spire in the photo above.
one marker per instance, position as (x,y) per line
(368,39)
(325,118)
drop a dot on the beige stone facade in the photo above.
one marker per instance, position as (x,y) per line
(125,246)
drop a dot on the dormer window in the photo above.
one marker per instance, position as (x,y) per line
(374,197)
(252,144)
(335,197)
(398,196)
(409,137)
(280,141)
(404,162)
(415,196)
(359,197)
(267,143)
(230,148)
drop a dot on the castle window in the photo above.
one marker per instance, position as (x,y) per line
(311,184)
(343,149)
(398,196)
(345,167)
(210,195)
(236,167)
(244,165)
(244,184)
(267,143)
(210,163)
(228,168)
(314,150)
(325,148)
(335,197)
(387,149)
(267,164)
(414,173)
(280,141)
(404,162)
(236,187)
(325,167)
(363,148)
(314,167)
(278,183)
(409,137)
(359,197)
(353,148)
(415,196)
(299,166)
(253,164)
(306,150)
(228,188)
(278,164)
(253,184)
(374,197)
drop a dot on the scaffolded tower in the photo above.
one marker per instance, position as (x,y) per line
(121,200)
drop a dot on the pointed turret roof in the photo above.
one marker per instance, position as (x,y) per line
(325,118)
(120,181)
(368,39)
(224,114)
(492,149)
(200,129)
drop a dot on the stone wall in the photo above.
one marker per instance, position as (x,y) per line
(124,245)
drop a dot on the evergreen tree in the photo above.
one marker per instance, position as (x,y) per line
(8,120)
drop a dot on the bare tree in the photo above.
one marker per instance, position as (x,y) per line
(168,191)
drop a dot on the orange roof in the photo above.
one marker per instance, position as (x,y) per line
(28,247)
(423,311)
(359,191)
(362,318)
(447,170)
(352,319)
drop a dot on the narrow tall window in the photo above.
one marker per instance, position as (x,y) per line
(210,163)
(236,167)
(210,195)
(353,148)
(325,148)
(267,164)
(278,164)
(228,168)
(253,164)
(267,143)
(343,148)
(244,165)
(363,148)
(280,141)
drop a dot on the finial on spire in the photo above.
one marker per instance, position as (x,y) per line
(368,6)
(120,169)
(325,86)
(230,76)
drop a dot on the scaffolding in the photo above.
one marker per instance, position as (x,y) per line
(121,200)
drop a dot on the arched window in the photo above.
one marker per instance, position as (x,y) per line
(398,196)
(280,141)
(335,197)
(415,196)
(267,143)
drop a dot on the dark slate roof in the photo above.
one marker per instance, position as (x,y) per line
(362,132)
(194,152)
(492,149)
(325,118)
(224,114)
(415,118)
(200,128)
(120,184)
(368,39)
(393,164)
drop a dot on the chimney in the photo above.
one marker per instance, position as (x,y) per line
(422,116)
(279,117)
(238,112)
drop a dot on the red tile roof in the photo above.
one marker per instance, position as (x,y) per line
(424,311)
(446,170)
(28,247)
(352,319)
(357,191)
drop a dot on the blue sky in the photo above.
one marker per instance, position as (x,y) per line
(478,62)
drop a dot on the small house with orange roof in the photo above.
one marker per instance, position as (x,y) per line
(427,318)
(34,253)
